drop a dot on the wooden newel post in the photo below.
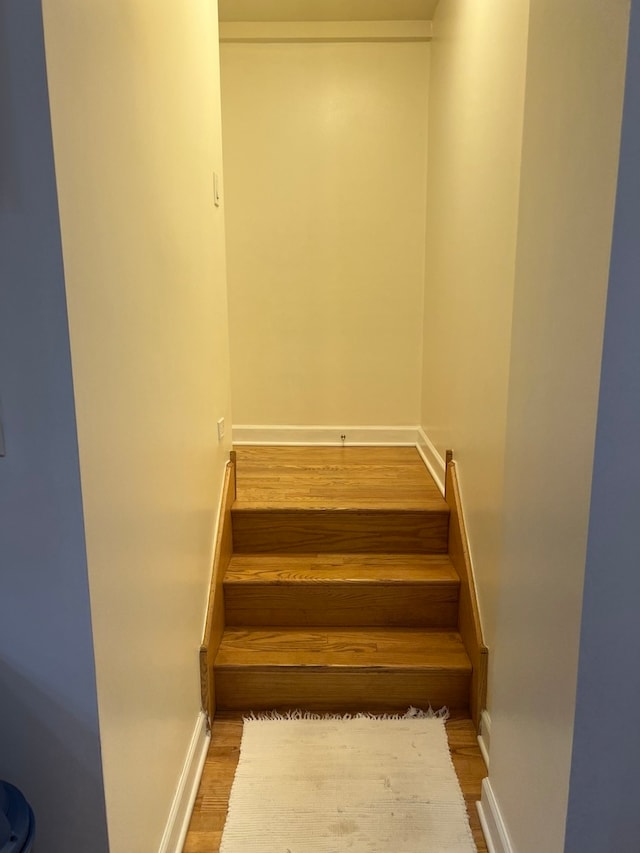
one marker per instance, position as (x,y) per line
(448,459)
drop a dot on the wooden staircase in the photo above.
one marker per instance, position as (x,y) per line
(339,594)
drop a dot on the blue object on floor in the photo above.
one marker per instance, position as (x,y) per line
(17,823)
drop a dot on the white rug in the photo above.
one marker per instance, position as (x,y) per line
(358,785)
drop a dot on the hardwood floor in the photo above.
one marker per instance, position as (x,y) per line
(210,810)
(334,477)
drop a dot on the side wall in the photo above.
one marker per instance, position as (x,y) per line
(49,738)
(603,795)
(136,127)
(575,75)
(475,132)
(325,159)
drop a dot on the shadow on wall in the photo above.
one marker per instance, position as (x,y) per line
(49,751)
(58,760)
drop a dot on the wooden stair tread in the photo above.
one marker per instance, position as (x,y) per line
(341,569)
(373,649)
(296,502)
(334,477)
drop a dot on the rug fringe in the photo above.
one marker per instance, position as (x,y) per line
(298,714)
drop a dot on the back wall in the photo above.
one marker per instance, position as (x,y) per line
(325,179)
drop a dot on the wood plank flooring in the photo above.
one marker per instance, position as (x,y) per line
(210,810)
(334,478)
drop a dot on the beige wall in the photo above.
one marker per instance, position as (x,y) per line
(135,111)
(575,74)
(325,158)
(475,130)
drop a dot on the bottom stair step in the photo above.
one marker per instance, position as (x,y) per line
(334,669)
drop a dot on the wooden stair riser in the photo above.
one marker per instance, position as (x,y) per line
(318,530)
(322,689)
(342,604)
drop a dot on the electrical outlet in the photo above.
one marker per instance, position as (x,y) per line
(220,429)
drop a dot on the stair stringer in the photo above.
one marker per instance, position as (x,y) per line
(469,624)
(214,626)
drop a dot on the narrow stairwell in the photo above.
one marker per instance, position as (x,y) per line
(339,595)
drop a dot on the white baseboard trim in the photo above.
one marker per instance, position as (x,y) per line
(432,459)
(178,821)
(493,827)
(328,436)
(484,738)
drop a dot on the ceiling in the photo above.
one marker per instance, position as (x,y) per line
(326,10)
